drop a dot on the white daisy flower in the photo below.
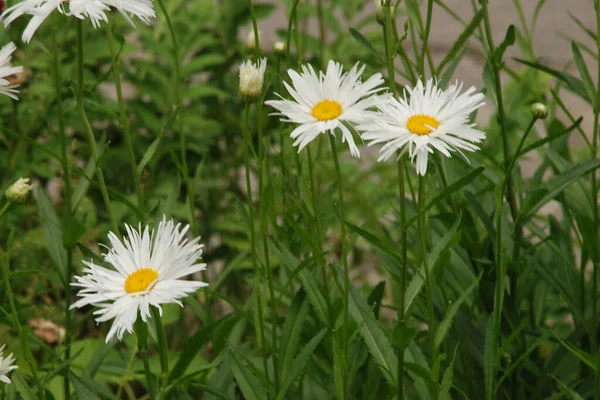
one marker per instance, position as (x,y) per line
(425,119)
(6,70)
(326,101)
(148,271)
(95,10)
(252,77)
(6,365)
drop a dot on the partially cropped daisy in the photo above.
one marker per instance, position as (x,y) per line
(6,365)
(326,101)
(94,10)
(425,119)
(251,78)
(149,267)
(6,71)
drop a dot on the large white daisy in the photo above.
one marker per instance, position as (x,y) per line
(6,70)
(326,101)
(148,271)
(94,10)
(6,365)
(425,119)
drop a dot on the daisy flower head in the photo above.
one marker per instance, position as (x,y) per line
(251,78)
(7,87)
(95,10)
(426,119)
(148,270)
(6,365)
(326,101)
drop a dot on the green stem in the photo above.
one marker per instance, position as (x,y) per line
(17,324)
(180,126)
(596,235)
(346,293)
(322,43)
(424,49)
(510,192)
(264,227)
(88,129)
(163,349)
(315,204)
(289,34)
(5,207)
(141,330)
(255,28)
(260,329)
(389,37)
(422,218)
(124,122)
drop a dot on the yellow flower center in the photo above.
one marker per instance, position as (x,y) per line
(140,280)
(327,110)
(422,124)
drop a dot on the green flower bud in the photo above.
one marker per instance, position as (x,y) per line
(18,191)
(539,110)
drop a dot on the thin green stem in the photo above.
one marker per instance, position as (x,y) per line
(425,48)
(322,43)
(17,324)
(163,349)
(5,207)
(596,236)
(289,33)
(315,204)
(422,219)
(255,28)
(88,129)
(260,329)
(124,121)
(180,126)
(346,293)
(264,227)
(141,330)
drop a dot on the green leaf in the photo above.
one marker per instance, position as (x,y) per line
(550,138)
(402,335)
(444,326)
(375,241)
(249,384)
(365,43)
(581,355)
(461,41)
(53,234)
(447,379)
(489,369)
(82,390)
(292,328)
(372,333)
(508,41)
(300,362)
(551,189)
(203,62)
(573,84)
(154,145)
(22,387)
(584,74)
(418,281)
(84,184)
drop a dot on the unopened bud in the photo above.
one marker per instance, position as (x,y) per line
(251,40)
(251,78)
(539,110)
(18,191)
(279,48)
(380,12)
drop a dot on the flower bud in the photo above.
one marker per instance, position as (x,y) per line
(251,40)
(539,110)
(18,191)
(380,12)
(251,78)
(279,48)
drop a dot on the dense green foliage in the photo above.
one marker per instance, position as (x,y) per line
(501,263)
